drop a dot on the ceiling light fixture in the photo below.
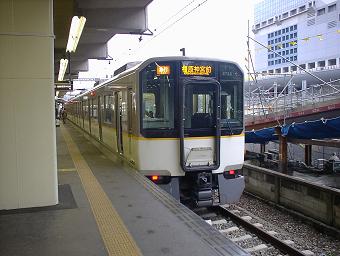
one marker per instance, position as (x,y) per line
(76,29)
(62,69)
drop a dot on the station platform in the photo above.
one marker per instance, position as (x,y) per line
(107,208)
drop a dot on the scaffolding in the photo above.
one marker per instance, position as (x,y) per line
(278,100)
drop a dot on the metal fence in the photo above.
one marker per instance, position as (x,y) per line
(262,102)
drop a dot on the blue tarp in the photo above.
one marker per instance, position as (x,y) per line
(261,136)
(320,129)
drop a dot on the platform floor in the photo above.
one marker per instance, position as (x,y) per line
(106,208)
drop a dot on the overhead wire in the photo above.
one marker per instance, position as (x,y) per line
(174,15)
(171,24)
(182,17)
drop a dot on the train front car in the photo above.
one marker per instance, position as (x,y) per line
(191,124)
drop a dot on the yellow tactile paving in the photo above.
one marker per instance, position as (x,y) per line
(115,235)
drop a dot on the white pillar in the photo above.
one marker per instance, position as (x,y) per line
(28,169)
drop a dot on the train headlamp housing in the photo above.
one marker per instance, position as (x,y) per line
(158,179)
(231,174)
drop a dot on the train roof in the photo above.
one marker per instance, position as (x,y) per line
(132,67)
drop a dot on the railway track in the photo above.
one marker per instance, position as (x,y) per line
(253,234)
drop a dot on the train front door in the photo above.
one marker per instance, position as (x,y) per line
(200,114)
(118,96)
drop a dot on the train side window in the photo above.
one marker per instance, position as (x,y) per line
(94,112)
(95,108)
(85,109)
(108,107)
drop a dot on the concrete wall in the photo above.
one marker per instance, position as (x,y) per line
(28,170)
(318,202)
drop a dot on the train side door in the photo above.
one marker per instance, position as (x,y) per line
(89,112)
(119,115)
(82,114)
(100,119)
(130,117)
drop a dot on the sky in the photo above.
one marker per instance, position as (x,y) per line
(205,28)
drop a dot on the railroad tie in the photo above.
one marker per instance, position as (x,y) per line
(308,253)
(257,248)
(229,230)
(208,215)
(247,218)
(258,225)
(289,242)
(219,222)
(272,232)
(241,238)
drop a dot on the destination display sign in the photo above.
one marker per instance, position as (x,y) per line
(63,86)
(192,68)
(163,70)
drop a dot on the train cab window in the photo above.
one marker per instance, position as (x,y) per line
(157,97)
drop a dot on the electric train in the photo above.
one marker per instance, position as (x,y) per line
(177,120)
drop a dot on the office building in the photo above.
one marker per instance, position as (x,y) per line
(306,33)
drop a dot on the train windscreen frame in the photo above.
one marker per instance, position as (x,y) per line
(157,103)
(159,93)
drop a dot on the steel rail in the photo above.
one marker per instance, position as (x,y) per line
(277,243)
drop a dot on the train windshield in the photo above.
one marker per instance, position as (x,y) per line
(231,80)
(231,104)
(162,83)
(158,99)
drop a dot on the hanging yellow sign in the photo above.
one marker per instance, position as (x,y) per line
(196,70)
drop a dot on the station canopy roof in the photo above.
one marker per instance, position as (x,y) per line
(319,129)
(104,19)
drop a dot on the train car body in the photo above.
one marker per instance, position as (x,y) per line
(177,120)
